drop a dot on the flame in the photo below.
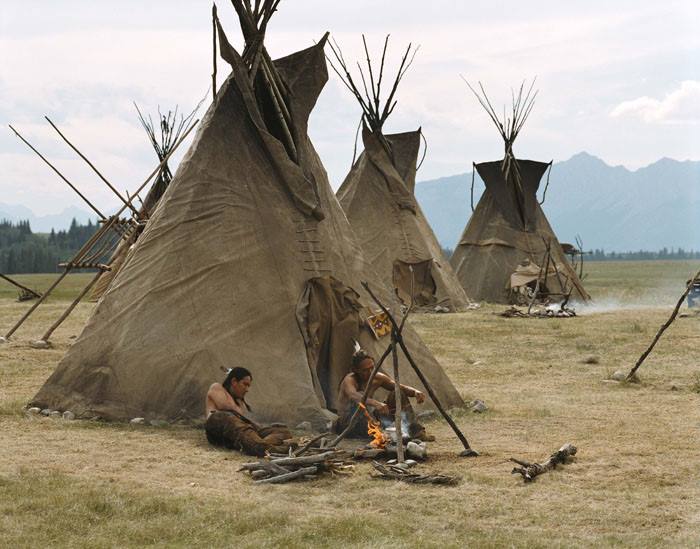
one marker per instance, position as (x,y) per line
(374,429)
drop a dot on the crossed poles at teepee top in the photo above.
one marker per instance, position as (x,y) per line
(99,243)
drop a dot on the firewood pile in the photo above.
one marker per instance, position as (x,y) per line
(402,473)
(281,468)
(545,312)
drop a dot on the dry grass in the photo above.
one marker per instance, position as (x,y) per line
(635,482)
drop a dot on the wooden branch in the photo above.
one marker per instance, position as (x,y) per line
(279,479)
(397,403)
(308,445)
(531,470)
(305,460)
(645,354)
(401,474)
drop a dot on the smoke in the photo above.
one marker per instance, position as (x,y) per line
(614,304)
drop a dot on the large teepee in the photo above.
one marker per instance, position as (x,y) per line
(508,233)
(248,260)
(378,198)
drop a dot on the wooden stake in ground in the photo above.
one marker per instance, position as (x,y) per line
(397,403)
(633,372)
(531,470)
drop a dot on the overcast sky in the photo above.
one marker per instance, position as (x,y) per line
(619,79)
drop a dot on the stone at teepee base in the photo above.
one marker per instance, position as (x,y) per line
(40,344)
(619,375)
(34,410)
(138,421)
(478,406)
(55,414)
(45,412)
(68,415)
(3,340)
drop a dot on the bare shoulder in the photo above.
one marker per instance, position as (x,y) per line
(349,380)
(381,377)
(215,388)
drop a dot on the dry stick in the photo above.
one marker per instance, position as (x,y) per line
(304,460)
(645,354)
(98,212)
(531,470)
(468,451)
(94,169)
(309,444)
(397,403)
(15,283)
(213,74)
(289,476)
(362,402)
(70,308)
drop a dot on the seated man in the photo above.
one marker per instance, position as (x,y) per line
(227,424)
(350,395)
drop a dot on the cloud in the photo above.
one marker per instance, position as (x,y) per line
(681,106)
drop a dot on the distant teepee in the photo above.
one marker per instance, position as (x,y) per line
(170,129)
(378,198)
(248,260)
(508,240)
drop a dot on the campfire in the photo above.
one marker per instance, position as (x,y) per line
(374,429)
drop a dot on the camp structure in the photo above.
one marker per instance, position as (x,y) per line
(248,260)
(508,245)
(162,138)
(378,199)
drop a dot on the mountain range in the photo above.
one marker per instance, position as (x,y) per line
(44,223)
(610,207)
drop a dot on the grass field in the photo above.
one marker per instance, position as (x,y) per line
(635,482)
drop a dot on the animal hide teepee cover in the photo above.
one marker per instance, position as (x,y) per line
(220,275)
(377,196)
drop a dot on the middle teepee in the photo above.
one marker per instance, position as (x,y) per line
(508,243)
(378,198)
(248,260)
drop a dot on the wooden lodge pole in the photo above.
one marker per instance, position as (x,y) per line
(397,402)
(645,354)
(69,310)
(20,286)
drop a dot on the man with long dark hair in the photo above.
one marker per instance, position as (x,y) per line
(227,422)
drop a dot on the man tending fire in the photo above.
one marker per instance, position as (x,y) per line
(227,422)
(350,396)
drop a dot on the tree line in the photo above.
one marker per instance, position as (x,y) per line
(664,253)
(22,251)
(602,255)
